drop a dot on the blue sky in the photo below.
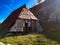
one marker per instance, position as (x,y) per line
(7,6)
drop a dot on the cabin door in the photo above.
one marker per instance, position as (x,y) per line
(27,27)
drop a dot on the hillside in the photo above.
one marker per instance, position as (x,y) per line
(47,11)
(49,15)
(31,39)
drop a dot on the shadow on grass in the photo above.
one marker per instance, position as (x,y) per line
(11,35)
(52,31)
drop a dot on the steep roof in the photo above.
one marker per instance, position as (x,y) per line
(10,20)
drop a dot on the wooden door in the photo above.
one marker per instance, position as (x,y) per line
(27,28)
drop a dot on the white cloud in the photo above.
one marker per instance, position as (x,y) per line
(31,3)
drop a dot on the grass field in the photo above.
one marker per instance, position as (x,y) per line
(31,39)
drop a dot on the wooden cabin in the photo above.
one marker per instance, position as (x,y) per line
(20,21)
(25,23)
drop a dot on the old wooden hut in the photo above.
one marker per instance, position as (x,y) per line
(21,20)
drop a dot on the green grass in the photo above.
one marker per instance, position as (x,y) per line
(31,39)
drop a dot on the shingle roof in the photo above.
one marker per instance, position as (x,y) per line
(26,14)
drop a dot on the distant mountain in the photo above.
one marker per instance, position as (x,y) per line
(48,10)
(48,13)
